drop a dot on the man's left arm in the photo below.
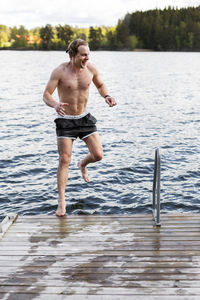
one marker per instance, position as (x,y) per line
(101,87)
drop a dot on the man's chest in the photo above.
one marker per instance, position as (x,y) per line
(76,82)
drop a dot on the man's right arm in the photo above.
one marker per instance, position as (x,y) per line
(50,88)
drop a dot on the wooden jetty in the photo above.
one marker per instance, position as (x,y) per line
(100,257)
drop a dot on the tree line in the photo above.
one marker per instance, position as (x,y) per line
(170,29)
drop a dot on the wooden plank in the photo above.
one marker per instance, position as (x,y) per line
(103,218)
(98,264)
(25,296)
(87,222)
(99,216)
(95,278)
(103,239)
(103,252)
(131,222)
(104,221)
(70,247)
(10,236)
(128,221)
(105,243)
(120,230)
(23,240)
(26,282)
(105,270)
(102,291)
(114,216)
(113,259)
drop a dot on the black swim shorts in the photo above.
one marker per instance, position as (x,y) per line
(73,127)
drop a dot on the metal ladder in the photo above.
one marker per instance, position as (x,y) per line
(156,188)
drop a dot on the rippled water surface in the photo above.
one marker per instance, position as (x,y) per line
(158,97)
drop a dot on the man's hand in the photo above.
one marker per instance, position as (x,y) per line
(60,108)
(110,101)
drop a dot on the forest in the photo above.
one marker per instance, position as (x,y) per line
(170,29)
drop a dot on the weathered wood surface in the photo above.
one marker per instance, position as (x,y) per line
(101,258)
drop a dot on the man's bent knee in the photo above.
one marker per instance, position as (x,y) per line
(98,156)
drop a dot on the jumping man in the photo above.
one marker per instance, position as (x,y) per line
(72,80)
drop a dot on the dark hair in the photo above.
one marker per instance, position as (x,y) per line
(73,46)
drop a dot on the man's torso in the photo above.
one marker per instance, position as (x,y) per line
(73,88)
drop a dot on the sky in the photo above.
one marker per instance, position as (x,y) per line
(80,13)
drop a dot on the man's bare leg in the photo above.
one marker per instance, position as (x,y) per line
(65,152)
(96,153)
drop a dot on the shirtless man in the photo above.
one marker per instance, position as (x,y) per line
(72,80)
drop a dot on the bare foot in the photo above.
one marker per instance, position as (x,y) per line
(83,171)
(61,210)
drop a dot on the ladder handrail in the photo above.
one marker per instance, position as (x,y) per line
(6,223)
(156,188)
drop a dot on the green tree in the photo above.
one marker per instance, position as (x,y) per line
(64,34)
(111,40)
(13,33)
(168,29)
(95,38)
(23,31)
(46,34)
(19,37)
(35,33)
(81,33)
(131,42)
(190,40)
(122,34)
(3,35)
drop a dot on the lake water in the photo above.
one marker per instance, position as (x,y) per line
(158,97)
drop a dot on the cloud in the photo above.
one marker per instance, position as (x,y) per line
(81,13)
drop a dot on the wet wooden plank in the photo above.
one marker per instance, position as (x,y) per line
(150,239)
(138,253)
(101,234)
(114,216)
(23,296)
(165,264)
(95,278)
(26,282)
(101,257)
(95,290)
(104,242)
(106,271)
(61,249)
(75,229)
(89,221)
(101,219)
